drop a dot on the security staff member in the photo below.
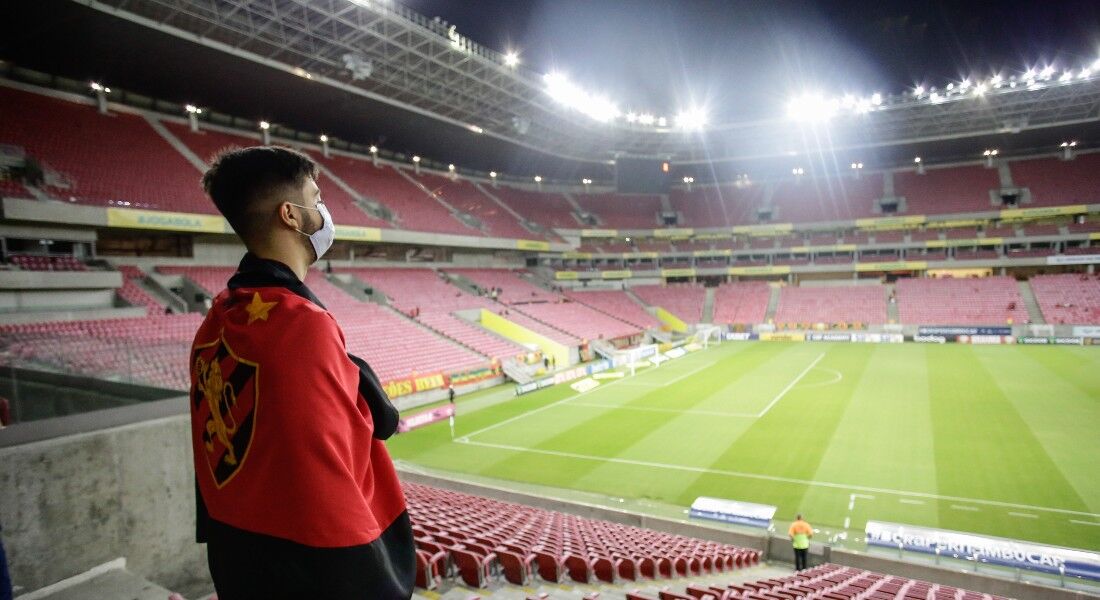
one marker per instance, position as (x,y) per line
(296,494)
(800,532)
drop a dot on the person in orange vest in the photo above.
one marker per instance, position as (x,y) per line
(800,533)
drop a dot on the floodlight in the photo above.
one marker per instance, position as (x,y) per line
(812,107)
(493,174)
(416,158)
(538,178)
(192,109)
(324,138)
(265,125)
(451,168)
(876,98)
(373,149)
(917,160)
(511,59)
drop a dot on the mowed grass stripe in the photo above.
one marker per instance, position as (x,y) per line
(790,439)
(884,436)
(984,449)
(609,432)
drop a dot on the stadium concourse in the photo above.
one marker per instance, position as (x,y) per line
(616,382)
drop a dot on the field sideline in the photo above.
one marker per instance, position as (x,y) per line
(1001,440)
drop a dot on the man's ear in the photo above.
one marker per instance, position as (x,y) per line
(290,216)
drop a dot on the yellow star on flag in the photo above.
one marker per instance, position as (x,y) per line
(258,309)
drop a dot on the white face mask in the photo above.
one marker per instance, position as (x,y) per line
(322,238)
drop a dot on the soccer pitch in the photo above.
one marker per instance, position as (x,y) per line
(1002,440)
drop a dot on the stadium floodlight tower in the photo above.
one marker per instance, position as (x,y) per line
(374,154)
(324,145)
(265,130)
(1067,149)
(101,92)
(920,165)
(416,163)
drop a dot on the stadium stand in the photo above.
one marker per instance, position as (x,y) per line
(716,206)
(1056,182)
(90,158)
(828,581)
(617,304)
(826,199)
(947,190)
(832,304)
(395,346)
(43,262)
(424,295)
(973,301)
(579,320)
(513,288)
(479,535)
(462,195)
(1068,298)
(622,212)
(741,303)
(549,209)
(136,295)
(150,350)
(683,300)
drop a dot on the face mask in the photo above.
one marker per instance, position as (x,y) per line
(322,238)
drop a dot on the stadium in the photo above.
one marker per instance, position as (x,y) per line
(633,329)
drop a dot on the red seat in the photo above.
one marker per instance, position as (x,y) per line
(430,569)
(518,569)
(475,570)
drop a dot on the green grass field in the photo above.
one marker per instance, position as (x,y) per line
(1003,440)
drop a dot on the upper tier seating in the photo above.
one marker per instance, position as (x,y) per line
(826,198)
(741,303)
(716,206)
(683,300)
(1055,182)
(947,190)
(463,196)
(973,301)
(207,144)
(479,535)
(106,160)
(41,262)
(579,320)
(832,304)
(828,581)
(619,211)
(547,209)
(1068,298)
(513,288)
(617,304)
(151,350)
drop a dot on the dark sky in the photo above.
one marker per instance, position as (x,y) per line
(744,58)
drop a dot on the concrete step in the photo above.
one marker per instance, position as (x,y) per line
(773,303)
(111,580)
(1034,314)
(708,306)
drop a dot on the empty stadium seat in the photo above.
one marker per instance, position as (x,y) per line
(970,301)
(832,304)
(683,300)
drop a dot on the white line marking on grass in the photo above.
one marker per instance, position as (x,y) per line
(1085,522)
(837,377)
(790,385)
(910,501)
(711,413)
(1022,515)
(825,484)
(961,507)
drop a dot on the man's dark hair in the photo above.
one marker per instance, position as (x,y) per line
(241,180)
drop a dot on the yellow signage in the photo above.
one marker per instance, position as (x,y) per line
(570,275)
(532,245)
(705,253)
(890,222)
(1094,235)
(1049,211)
(615,274)
(358,234)
(955,223)
(606,233)
(960,273)
(768,336)
(136,218)
(686,272)
(989,241)
(763,229)
(898,265)
(761,270)
(640,255)
(833,248)
(673,232)
(577,255)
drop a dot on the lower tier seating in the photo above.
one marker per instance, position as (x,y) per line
(1068,298)
(972,301)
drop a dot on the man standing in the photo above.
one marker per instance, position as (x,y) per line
(800,533)
(296,494)
(451,399)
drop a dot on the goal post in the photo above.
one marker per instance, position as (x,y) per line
(704,335)
(634,357)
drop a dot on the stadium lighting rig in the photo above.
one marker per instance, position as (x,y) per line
(816,107)
(1067,149)
(324,145)
(101,92)
(193,113)
(511,58)
(604,110)
(265,131)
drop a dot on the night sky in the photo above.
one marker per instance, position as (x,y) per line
(742,59)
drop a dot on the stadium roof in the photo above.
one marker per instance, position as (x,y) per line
(375,71)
